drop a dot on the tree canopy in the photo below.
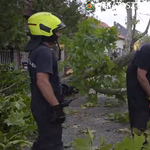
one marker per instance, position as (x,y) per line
(12,24)
(91,67)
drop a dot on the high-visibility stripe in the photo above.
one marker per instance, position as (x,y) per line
(32,24)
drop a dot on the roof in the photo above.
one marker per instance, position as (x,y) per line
(122,30)
(103,24)
(121,37)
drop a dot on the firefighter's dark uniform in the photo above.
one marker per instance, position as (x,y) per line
(42,60)
(138,102)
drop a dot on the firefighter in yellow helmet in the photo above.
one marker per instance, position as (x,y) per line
(46,88)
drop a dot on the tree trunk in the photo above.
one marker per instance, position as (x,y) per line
(128,39)
(121,92)
(124,60)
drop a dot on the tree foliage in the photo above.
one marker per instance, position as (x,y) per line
(16,121)
(12,25)
(128,143)
(91,67)
(111,81)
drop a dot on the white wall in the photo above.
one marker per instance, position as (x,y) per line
(120,43)
(119,46)
(24,56)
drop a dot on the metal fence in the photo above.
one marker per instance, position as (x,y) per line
(6,56)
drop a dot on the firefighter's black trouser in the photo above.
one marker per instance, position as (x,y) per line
(49,134)
(138,105)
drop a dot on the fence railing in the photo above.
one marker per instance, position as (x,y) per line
(5,56)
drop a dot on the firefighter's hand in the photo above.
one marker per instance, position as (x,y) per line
(58,114)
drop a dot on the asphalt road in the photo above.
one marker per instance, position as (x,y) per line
(94,118)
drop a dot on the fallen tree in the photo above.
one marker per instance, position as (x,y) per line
(90,67)
(121,61)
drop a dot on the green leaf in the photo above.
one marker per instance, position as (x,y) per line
(25,143)
(125,144)
(129,144)
(16,118)
(106,147)
(139,140)
(81,144)
(90,135)
(0,133)
(148,125)
(2,146)
(32,127)
(102,142)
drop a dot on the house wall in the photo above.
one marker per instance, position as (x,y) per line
(120,43)
(119,46)
(24,57)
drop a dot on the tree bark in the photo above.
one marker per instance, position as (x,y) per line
(134,29)
(124,60)
(128,39)
(134,36)
(144,33)
(134,25)
(111,91)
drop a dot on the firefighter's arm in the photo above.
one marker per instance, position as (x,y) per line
(46,88)
(141,75)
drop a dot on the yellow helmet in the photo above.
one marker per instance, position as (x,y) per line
(44,24)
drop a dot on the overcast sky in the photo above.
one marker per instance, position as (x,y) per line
(109,18)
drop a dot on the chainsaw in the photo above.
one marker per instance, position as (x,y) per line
(67,102)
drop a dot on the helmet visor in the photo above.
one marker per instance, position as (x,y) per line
(61,26)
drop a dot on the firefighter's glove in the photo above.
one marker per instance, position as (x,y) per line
(58,114)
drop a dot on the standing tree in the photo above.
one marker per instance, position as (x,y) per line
(12,31)
(145,39)
(132,21)
(132,36)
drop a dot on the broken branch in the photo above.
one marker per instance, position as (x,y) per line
(7,88)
